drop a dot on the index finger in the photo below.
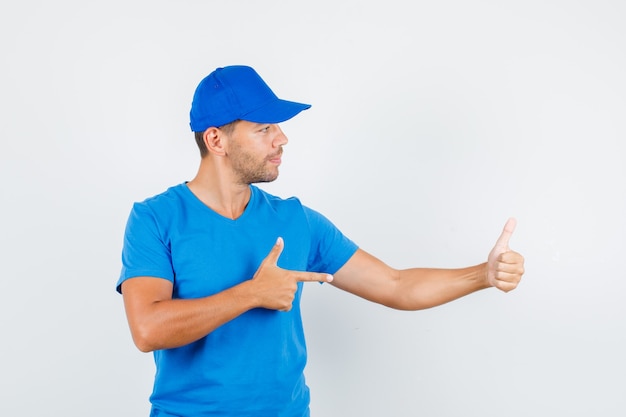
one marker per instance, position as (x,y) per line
(313,277)
(507,232)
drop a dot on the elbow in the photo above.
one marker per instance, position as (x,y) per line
(411,292)
(406,300)
(408,305)
(144,339)
(417,303)
(143,347)
(401,296)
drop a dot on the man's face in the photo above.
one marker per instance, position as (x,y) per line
(255,150)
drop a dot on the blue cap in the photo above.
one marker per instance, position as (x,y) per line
(237,93)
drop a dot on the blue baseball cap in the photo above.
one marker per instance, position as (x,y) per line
(237,93)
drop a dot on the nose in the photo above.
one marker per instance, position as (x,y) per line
(280,139)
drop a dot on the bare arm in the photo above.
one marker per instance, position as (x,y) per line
(159,322)
(420,288)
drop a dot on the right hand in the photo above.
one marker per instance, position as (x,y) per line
(276,287)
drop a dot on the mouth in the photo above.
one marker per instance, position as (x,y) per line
(276,158)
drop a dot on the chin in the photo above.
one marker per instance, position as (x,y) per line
(270,179)
(266,178)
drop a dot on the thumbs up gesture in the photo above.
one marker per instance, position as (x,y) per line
(504,266)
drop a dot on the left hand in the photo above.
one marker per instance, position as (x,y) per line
(504,266)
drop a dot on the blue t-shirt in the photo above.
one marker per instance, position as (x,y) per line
(252,365)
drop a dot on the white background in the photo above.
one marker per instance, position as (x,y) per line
(432,123)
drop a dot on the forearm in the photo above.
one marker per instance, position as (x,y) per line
(170,323)
(408,289)
(421,288)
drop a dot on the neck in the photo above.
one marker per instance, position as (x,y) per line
(219,191)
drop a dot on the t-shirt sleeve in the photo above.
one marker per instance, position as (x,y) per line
(330,249)
(145,251)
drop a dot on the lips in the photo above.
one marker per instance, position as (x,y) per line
(276,158)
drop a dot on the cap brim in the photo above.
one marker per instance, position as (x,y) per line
(275,111)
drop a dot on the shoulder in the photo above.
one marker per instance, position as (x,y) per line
(170,196)
(277,203)
(159,208)
(289,205)
(292,208)
(165,202)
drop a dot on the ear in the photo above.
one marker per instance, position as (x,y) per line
(213,141)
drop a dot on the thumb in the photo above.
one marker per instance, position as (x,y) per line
(277,249)
(507,232)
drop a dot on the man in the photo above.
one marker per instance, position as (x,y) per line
(213,268)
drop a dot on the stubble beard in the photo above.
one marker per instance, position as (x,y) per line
(250,170)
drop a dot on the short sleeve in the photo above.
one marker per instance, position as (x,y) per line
(330,249)
(145,251)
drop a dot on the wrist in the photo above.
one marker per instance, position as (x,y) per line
(483,273)
(247,295)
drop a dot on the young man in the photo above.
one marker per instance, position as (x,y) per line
(213,268)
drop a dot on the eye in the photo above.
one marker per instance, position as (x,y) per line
(265,129)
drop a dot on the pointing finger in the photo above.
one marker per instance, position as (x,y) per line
(507,232)
(313,277)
